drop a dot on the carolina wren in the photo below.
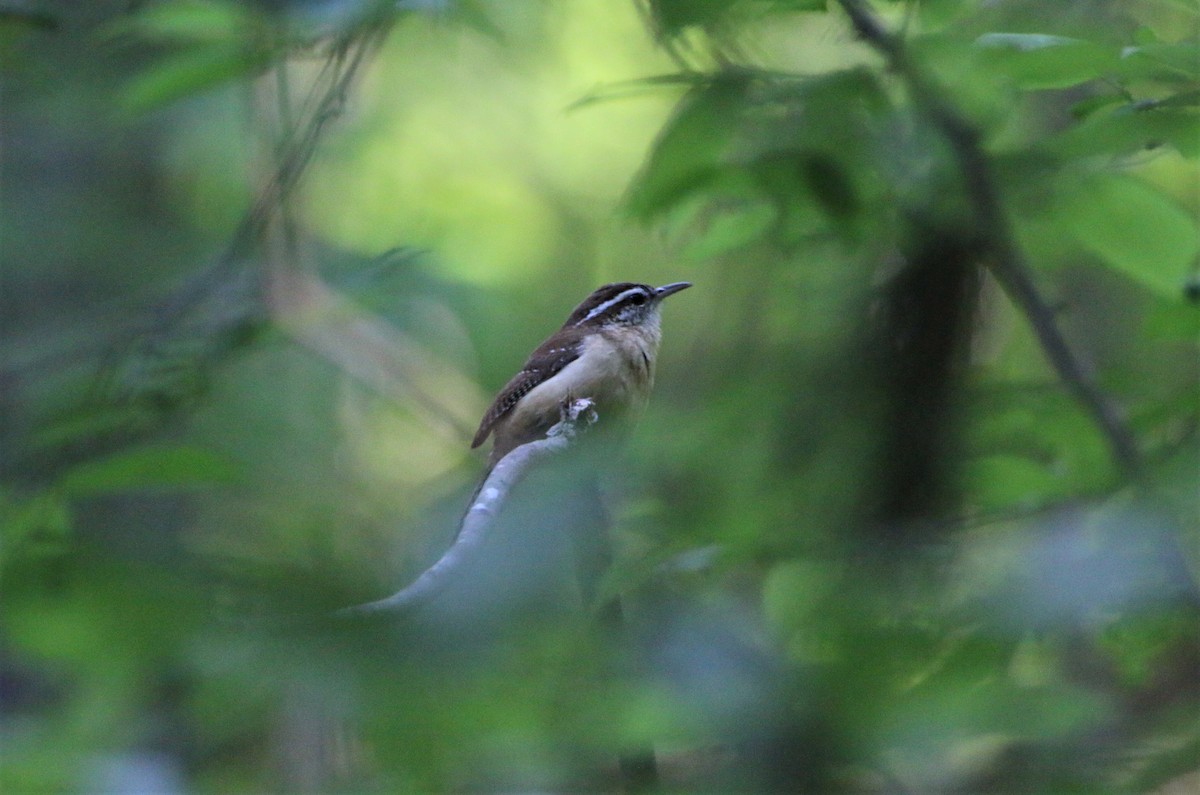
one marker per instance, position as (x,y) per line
(605,351)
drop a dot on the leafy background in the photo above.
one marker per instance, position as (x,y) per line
(873,534)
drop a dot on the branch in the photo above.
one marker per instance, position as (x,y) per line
(220,298)
(325,102)
(361,344)
(486,505)
(1006,262)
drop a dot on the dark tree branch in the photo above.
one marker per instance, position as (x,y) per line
(486,505)
(1003,257)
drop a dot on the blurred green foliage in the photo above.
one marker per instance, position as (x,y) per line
(190,486)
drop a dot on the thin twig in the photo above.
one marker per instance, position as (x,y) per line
(362,345)
(325,102)
(314,314)
(1006,261)
(651,23)
(480,518)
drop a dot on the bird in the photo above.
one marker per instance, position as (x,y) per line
(605,351)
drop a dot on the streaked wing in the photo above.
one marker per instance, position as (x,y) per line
(544,363)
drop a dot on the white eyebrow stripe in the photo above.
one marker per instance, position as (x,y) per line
(618,298)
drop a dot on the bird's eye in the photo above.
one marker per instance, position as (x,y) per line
(637,299)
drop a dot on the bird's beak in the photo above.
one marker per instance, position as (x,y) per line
(670,289)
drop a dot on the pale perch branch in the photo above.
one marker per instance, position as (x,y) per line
(481,516)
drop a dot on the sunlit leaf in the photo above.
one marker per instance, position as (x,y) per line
(1134,229)
(1024,42)
(1005,482)
(935,14)
(1039,61)
(1033,438)
(1161,61)
(1129,129)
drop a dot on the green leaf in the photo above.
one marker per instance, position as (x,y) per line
(795,589)
(1040,712)
(1170,62)
(802,5)
(674,16)
(1039,61)
(43,520)
(91,423)
(1129,129)
(731,227)
(797,596)
(1184,99)
(937,14)
(188,20)
(1031,443)
(189,72)
(691,148)
(149,468)
(1086,107)
(1134,228)
(1000,482)
(1023,42)
(1140,645)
